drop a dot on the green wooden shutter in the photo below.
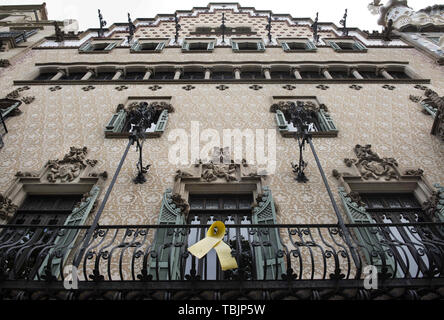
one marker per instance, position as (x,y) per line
(64,243)
(234,46)
(160,46)
(85,47)
(326,121)
(10,109)
(165,240)
(210,46)
(429,109)
(285,46)
(135,46)
(265,213)
(370,243)
(115,125)
(162,122)
(281,121)
(185,46)
(310,46)
(110,46)
(260,46)
(359,46)
(335,46)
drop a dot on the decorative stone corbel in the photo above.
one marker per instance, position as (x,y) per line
(7,208)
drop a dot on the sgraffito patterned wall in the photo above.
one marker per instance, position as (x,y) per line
(56,120)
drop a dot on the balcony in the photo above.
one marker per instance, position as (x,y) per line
(151,261)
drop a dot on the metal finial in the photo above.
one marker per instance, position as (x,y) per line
(102,23)
(223,27)
(314,26)
(131,28)
(176,21)
(343,22)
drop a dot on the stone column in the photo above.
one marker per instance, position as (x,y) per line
(148,74)
(326,74)
(356,73)
(60,74)
(89,74)
(178,73)
(267,72)
(385,74)
(118,74)
(207,73)
(237,73)
(296,72)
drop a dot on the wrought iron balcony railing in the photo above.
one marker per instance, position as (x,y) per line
(270,257)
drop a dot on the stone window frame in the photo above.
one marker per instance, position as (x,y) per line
(116,124)
(309,45)
(175,207)
(335,43)
(211,42)
(87,46)
(136,47)
(362,175)
(73,174)
(260,45)
(326,122)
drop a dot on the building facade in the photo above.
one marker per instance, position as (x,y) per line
(319,147)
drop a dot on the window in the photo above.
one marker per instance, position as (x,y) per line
(38,211)
(134,75)
(103,75)
(370,74)
(398,74)
(342,46)
(311,74)
(322,126)
(400,208)
(192,75)
(163,75)
(77,75)
(197,46)
(206,209)
(119,126)
(147,47)
(339,74)
(298,46)
(97,47)
(239,46)
(222,75)
(252,75)
(281,75)
(45,75)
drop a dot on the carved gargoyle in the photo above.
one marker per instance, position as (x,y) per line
(7,208)
(180,203)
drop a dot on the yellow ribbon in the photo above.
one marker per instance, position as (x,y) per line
(214,240)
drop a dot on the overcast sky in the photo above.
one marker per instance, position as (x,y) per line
(85,11)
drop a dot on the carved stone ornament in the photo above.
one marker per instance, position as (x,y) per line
(370,165)
(437,102)
(158,106)
(4,63)
(181,203)
(7,208)
(284,106)
(70,167)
